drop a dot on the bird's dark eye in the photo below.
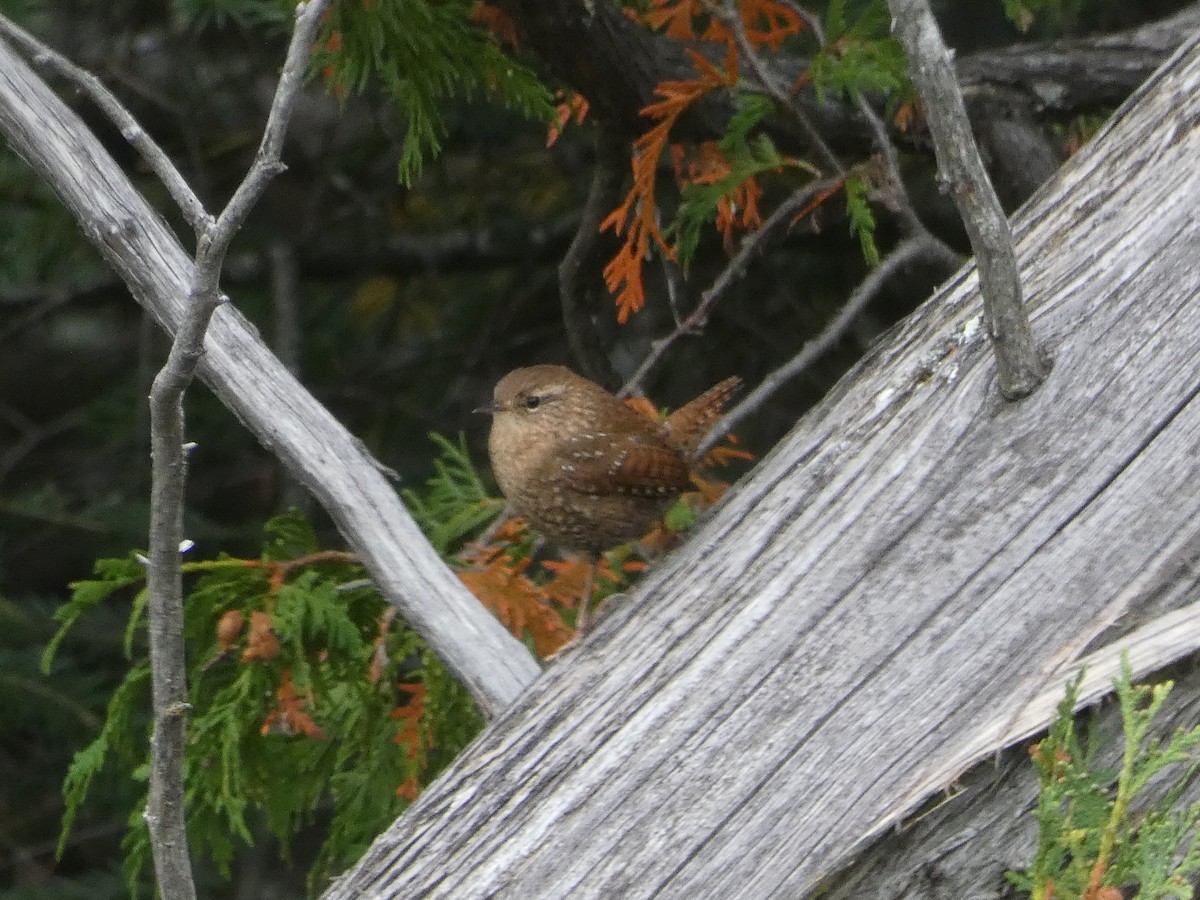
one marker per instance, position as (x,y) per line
(533,401)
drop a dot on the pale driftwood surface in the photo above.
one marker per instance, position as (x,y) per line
(249,379)
(908,569)
(983,825)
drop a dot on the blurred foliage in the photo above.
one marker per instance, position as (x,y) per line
(40,240)
(1049,17)
(424,53)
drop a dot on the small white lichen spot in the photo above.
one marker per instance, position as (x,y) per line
(883,398)
(970,329)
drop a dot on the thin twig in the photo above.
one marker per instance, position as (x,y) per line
(730,16)
(1020,364)
(158,161)
(603,195)
(672,279)
(752,244)
(165,805)
(811,19)
(901,202)
(34,434)
(906,252)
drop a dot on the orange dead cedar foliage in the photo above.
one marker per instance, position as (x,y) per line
(723,454)
(229,626)
(707,165)
(261,643)
(409,733)
(379,658)
(566,587)
(511,531)
(574,106)
(767,23)
(676,17)
(710,491)
(289,716)
(500,583)
(329,72)
(904,116)
(408,789)
(644,406)
(818,200)
(799,84)
(635,217)
(411,736)
(279,569)
(659,539)
(498,22)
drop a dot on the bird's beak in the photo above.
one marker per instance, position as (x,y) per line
(489,408)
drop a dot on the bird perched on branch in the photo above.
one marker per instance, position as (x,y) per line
(585,469)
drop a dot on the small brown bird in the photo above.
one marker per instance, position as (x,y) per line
(585,469)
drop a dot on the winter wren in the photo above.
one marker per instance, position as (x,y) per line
(585,469)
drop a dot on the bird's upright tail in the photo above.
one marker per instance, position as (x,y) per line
(685,428)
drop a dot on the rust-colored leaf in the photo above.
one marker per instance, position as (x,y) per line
(409,733)
(644,406)
(570,107)
(288,716)
(261,643)
(229,627)
(710,491)
(635,217)
(659,538)
(769,23)
(674,16)
(816,201)
(408,789)
(500,584)
(498,22)
(723,454)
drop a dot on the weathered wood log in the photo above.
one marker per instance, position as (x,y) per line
(893,583)
(261,392)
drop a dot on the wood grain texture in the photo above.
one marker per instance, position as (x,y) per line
(964,840)
(907,569)
(251,382)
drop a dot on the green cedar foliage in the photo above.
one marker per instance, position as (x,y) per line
(454,503)
(339,720)
(698,202)
(423,52)
(1048,18)
(1089,835)
(860,56)
(862,220)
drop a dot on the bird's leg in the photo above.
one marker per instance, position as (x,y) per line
(585,600)
(581,614)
